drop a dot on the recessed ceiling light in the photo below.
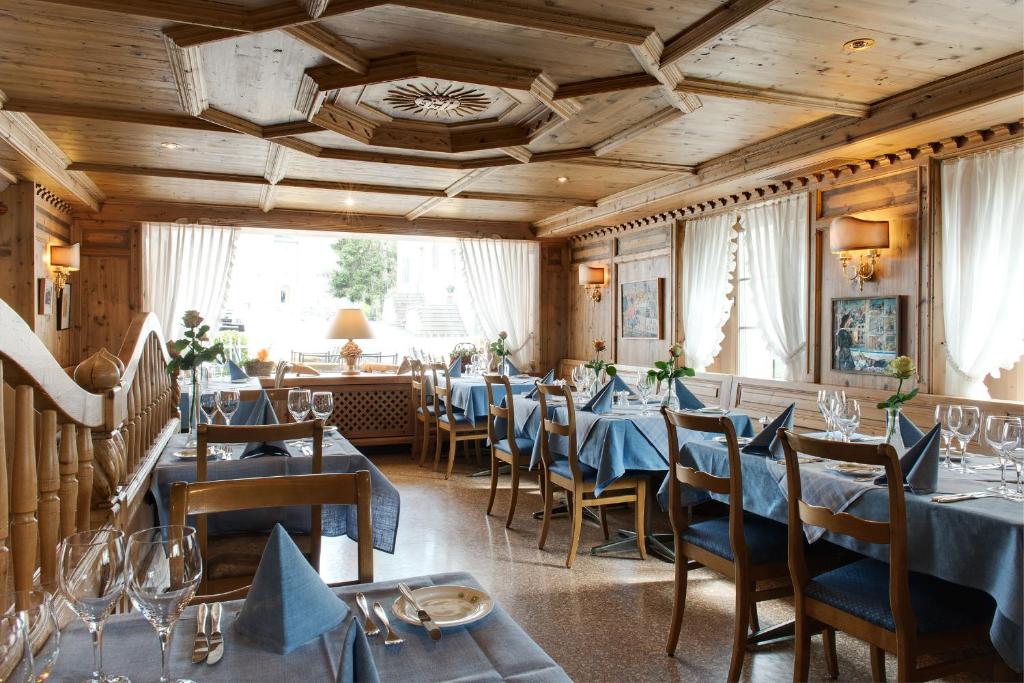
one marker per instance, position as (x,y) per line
(169,145)
(349,201)
(562,179)
(859,44)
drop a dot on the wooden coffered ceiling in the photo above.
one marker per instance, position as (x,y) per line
(574,113)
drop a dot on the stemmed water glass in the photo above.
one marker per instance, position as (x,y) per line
(1003,434)
(227,403)
(15,645)
(642,385)
(847,417)
(948,417)
(29,617)
(164,570)
(322,405)
(91,576)
(1016,457)
(825,408)
(970,423)
(298,404)
(208,404)
(579,379)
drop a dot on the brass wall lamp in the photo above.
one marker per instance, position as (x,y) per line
(848,235)
(593,279)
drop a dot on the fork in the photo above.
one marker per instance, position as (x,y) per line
(391,638)
(369,625)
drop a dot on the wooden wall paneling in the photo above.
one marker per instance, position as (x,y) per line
(554,323)
(645,255)
(17,250)
(52,225)
(110,284)
(590,320)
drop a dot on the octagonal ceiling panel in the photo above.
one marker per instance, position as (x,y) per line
(427,99)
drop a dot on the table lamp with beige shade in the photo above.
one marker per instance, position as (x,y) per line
(350,324)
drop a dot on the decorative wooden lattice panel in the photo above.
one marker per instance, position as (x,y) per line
(373,413)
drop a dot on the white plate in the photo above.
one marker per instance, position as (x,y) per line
(193,454)
(741,441)
(854,469)
(712,411)
(448,606)
(240,381)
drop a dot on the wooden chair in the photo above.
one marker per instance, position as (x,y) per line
(506,447)
(453,423)
(743,546)
(579,481)
(233,558)
(886,605)
(283,368)
(203,498)
(426,421)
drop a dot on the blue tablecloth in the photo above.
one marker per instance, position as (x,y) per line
(493,649)
(340,456)
(976,543)
(185,400)
(469,394)
(613,443)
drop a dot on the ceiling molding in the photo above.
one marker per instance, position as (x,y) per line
(296,219)
(520,153)
(648,54)
(425,208)
(28,140)
(634,163)
(61,108)
(314,8)
(709,27)
(331,46)
(198,12)
(273,172)
(656,120)
(419,65)
(450,192)
(997,80)
(187,67)
(597,86)
(749,92)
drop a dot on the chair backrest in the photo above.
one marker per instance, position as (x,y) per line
(551,428)
(496,411)
(227,434)
(278,400)
(731,485)
(203,498)
(442,393)
(892,532)
(419,384)
(283,368)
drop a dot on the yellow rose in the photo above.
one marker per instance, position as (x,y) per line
(191,319)
(902,367)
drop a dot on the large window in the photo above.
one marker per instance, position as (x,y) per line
(753,357)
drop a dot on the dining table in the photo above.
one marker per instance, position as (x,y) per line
(339,456)
(495,648)
(469,394)
(212,386)
(625,440)
(976,542)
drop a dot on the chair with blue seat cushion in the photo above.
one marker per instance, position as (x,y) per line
(885,604)
(453,424)
(426,413)
(742,546)
(506,446)
(579,481)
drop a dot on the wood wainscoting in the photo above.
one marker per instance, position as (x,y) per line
(369,409)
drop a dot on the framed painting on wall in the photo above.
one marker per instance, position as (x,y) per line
(64,308)
(640,309)
(44,297)
(865,334)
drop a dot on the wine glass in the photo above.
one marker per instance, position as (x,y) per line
(227,403)
(91,576)
(578,377)
(164,568)
(847,417)
(949,420)
(823,408)
(970,423)
(35,612)
(1002,432)
(15,644)
(322,405)
(298,404)
(208,404)
(642,384)
(1016,457)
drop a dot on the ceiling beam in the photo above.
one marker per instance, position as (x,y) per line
(656,120)
(995,81)
(187,67)
(415,64)
(335,186)
(28,140)
(748,92)
(648,55)
(288,13)
(451,191)
(635,163)
(709,27)
(331,46)
(198,12)
(273,172)
(295,219)
(61,108)
(596,86)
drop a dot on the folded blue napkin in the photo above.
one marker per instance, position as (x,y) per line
(602,400)
(288,604)
(455,369)
(259,412)
(687,401)
(236,372)
(920,464)
(619,384)
(546,379)
(768,442)
(510,367)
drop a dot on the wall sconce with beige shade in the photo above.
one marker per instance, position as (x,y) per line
(64,259)
(593,279)
(847,235)
(351,324)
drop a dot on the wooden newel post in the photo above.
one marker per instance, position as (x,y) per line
(101,373)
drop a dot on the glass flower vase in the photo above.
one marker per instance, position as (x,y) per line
(892,428)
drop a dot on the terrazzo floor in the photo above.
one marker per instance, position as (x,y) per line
(607,618)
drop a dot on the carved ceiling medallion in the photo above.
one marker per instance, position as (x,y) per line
(449,101)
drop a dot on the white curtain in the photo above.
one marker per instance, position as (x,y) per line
(186,267)
(775,247)
(982,267)
(709,259)
(503,279)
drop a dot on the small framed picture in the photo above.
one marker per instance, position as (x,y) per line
(865,334)
(640,305)
(44,297)
(64,308)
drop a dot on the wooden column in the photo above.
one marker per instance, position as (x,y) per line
(24,498)
(68,479)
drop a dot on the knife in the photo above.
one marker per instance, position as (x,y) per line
(428,623)
(200,646)
(216,638)
(957,497)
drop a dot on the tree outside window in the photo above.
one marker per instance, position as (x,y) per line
(366,270)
